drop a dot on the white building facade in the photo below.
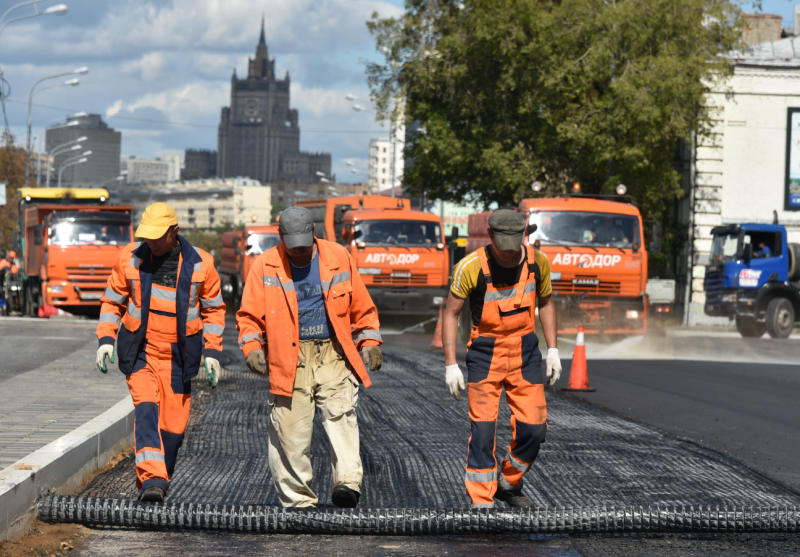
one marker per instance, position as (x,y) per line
(202,204)
(740,170)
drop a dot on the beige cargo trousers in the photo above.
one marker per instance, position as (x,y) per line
(322,381)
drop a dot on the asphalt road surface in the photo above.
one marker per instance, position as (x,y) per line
(724,392)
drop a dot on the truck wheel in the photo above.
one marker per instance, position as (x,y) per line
(780,318)
(794,261)
(748,327)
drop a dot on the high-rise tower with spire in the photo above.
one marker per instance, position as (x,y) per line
(259,135)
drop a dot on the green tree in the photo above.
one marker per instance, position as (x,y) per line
(12,172)
(590,91)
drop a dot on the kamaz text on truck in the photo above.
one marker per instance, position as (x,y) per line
(752,277)
(400,252)
(598,264)
(239,250)
(69,240)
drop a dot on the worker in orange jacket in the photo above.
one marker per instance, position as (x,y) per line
(306,311)
(502,282)
(166,295)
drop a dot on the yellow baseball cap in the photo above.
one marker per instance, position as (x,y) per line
(156,220)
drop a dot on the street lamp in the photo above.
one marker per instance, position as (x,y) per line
(58,9)
(116,178)
(71,145)
(77,71)
(82,158)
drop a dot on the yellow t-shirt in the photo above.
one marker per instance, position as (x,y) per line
(465,275)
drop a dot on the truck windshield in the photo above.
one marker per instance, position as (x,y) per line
(397,232)
(259,243)
(725,247)
(73,232)
(576,228)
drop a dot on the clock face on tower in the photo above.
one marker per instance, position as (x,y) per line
(252,107)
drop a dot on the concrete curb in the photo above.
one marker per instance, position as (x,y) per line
(62,464)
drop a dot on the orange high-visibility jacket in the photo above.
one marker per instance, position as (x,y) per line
(268,315)
(199,309)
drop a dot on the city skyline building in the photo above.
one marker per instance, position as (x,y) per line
(103,141)
(259,133)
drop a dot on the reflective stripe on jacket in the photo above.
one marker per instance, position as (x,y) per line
(198,306)
(508,311)
(268,314)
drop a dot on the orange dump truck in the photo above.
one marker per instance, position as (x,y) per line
(239,250)
(69,240)
(597,260)
(400,252)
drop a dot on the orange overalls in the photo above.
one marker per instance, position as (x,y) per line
(164,333)
(503,351)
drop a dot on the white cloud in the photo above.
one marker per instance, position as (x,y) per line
(114,109)
(171,61)
(149,67)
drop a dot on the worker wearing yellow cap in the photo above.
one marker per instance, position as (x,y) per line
(166,295)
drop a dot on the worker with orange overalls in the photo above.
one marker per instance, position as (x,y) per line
(503,283)
(166,295)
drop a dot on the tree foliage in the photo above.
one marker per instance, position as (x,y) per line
(506,92)
(12,172)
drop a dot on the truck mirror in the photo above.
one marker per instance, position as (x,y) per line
(237,248)
(454,232)
(37,235)
(748,253)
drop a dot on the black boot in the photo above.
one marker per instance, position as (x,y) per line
(344,497)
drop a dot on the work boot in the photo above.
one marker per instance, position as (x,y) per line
(513,497)
(344,497)
(152,494)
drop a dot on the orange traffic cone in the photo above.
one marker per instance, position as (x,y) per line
(437,334)
(578,378)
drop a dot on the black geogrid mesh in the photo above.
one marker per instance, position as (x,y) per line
(413,447)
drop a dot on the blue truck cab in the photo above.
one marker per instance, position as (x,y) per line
(752,278)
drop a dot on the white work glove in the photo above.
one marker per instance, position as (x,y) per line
(212,371)
(105,351)
(553,369)
(454,378)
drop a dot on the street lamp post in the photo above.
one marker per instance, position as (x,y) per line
(80,159)
(58,9)
(71,145)
(71,82)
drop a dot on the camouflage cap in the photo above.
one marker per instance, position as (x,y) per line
(507,227)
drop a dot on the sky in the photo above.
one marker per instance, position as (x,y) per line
(159,70)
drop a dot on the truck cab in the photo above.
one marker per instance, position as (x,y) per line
(598,264)
(401,256)
(752,277)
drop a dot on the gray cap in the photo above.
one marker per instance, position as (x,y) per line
(297,227)
(507,227)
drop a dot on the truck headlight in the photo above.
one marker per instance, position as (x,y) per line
(631,314)
(730,297)
(438,300)
(55,289)
(555,275)
(369,270)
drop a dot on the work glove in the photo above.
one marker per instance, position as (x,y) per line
(212,371)
(105,351)
(372,356)
(256,361)
(553,364)
(454,378)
